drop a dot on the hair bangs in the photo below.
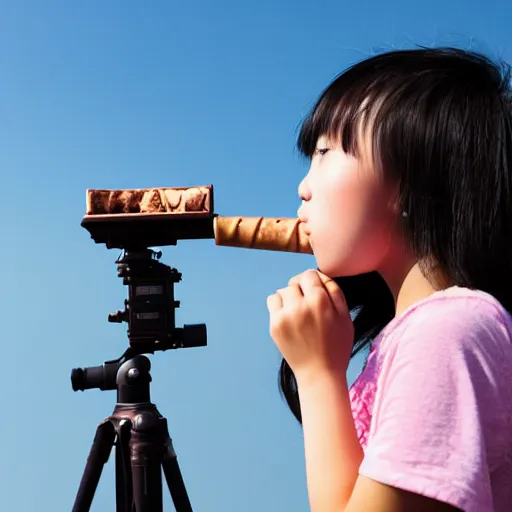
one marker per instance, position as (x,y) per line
(345,112)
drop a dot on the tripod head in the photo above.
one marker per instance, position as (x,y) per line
(150,308)
(150,312)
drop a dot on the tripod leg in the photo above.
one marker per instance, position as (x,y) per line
(124,490)
(146,459)
(173,474)
(147,487)
(98,456)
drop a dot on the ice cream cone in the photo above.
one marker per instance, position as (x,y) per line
(272,234)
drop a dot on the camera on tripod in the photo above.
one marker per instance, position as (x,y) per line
(135,221)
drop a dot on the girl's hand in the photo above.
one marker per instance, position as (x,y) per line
(311,325)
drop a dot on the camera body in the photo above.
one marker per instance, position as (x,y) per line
(135,220)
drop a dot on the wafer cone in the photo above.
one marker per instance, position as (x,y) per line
(272,234)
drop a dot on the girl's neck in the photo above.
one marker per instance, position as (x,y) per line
(412,285)
(415,287)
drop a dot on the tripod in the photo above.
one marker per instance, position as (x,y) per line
(143,447)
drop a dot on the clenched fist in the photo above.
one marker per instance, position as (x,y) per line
(311,325)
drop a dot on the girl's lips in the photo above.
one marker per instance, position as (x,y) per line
(304,221)
(304,227)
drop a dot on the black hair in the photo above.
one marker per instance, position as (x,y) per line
(440,124)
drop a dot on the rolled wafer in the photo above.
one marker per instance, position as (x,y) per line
(272,234)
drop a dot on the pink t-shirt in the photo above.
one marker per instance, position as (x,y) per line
(433,404)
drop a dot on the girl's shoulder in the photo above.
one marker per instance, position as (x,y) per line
(453,319)
(457,297)
(452,338)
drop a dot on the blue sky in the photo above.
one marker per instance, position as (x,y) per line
(165,93)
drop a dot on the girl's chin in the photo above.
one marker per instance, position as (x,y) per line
(326,269)
(332,269)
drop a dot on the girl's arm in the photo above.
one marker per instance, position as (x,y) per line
(332,450)
(333,456)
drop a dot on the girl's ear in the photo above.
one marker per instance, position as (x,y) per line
(395,205)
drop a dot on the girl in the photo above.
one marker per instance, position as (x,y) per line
(409,199)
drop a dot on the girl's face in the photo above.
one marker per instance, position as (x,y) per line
(349,212)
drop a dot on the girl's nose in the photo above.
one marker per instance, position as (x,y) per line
(304,192)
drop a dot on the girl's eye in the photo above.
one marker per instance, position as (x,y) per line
(321,151)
